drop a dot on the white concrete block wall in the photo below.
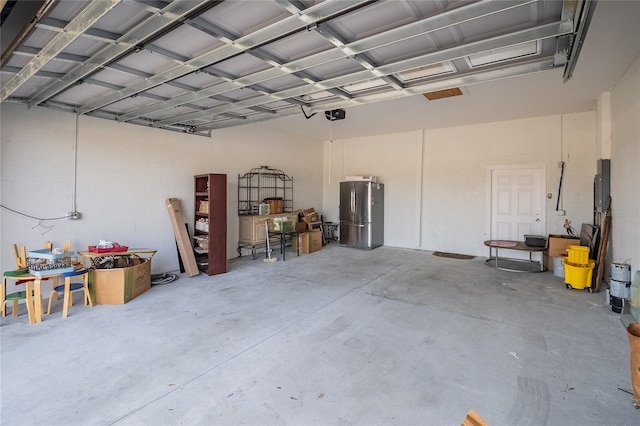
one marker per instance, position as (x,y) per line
(124,175)
(625,168)
(395,161)
(436,182)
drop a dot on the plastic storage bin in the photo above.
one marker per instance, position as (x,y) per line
(578,276)
(578,255)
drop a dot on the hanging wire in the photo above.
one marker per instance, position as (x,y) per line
(75,166)
(39,219)
(331,131)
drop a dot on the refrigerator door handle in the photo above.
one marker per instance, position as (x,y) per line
(359,225)
(353,200)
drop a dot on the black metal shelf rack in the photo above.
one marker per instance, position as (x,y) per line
(263,183)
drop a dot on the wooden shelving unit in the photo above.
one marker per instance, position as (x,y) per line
(210,223)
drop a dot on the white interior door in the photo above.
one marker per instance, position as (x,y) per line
(517,202)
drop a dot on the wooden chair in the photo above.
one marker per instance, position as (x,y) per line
(19,276)
(68,288)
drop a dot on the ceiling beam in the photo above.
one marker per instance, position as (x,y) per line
(319,12)
(554,29)
(583,22)
(83,21)
(157,23)
(424,26)
(467,79)
(21,20)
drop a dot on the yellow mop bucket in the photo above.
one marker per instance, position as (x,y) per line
(578,255)
(578,276)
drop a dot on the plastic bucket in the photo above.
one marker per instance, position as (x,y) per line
(558,267)
(620,289)
(621,272)
(578,255)
(578,276)
(617,303)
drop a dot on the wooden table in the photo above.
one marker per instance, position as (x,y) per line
(516,263)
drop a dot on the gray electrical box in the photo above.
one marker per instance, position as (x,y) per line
(601,186)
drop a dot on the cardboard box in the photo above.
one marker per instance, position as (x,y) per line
(301,226)
(310,241)
(310,216)
(118,286)
(557,246)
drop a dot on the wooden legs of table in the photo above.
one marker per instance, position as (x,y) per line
(34,299)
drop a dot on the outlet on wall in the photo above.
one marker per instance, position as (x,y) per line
(74,216)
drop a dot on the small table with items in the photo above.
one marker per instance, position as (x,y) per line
(97,258)
(283,236)
(513,265)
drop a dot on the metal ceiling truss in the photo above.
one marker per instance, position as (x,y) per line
(282,28)
(275,85)
(81,23)
(544,31)
(151,27)
(425,26)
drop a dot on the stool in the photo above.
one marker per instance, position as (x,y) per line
(68,287)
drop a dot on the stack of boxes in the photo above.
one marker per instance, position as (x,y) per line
(557,247)
(309,231)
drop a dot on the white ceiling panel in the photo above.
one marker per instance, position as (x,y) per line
(147,61)
(84,46)
(199,80)
(80,94)
(113,76)
(187,41)
(298,45)
(66,10)
(380,16)
(240,65)
(197,64)
(242,17)
(166,91)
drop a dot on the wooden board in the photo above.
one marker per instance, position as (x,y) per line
(602,250)
(182,237)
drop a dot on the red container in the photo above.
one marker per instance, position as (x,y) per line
(114,249)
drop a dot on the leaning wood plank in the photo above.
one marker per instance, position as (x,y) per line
(602,254)
(182,238)
(602,251)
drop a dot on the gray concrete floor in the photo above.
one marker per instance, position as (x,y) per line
(341,336)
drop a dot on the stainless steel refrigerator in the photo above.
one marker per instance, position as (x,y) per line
(361,214)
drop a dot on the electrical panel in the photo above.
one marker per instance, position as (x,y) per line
(602,185)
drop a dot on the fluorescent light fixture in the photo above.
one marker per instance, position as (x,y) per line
(427,71)
(363,85)
(503,54)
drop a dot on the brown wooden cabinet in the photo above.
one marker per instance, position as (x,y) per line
(210,223)
(253,232)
